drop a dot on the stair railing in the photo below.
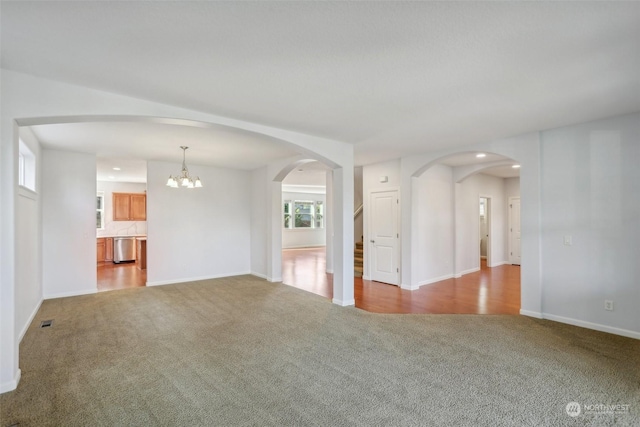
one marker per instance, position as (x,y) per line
(358,211)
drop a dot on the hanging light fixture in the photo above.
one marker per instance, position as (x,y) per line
(184,178)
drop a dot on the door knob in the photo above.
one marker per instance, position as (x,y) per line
(372,241)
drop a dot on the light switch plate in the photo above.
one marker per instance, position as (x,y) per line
(568,241)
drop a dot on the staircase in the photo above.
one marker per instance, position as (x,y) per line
(358,259)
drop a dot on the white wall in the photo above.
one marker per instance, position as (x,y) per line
(301,237)
(435,225)
(512,187)
(197,233)
(119,228)
(68,223)
(29,241)
(591,192)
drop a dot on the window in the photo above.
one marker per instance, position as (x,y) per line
(100,211)
(26,167)
(303,214)
(319,214)
(21,177)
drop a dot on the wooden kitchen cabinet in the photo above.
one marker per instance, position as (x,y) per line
(104,249)
(108,253)
(100,249)
(129,207)
(138,207)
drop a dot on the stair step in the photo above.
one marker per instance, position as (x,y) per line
(358,260)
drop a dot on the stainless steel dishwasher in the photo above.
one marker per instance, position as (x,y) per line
(124,249)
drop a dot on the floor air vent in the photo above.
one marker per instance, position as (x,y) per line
(46,323)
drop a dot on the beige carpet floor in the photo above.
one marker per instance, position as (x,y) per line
(244,352)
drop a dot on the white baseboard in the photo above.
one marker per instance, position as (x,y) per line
(498,264)
(343,303)
(594,326)
(260,275)
(305,247)
(31,317)
(329,271)
(471,270)
(274,279)
(535,314)
(195,279)
(582,324)
(434,280)
(409,287)
(11,385)
(70,294)
(365,277)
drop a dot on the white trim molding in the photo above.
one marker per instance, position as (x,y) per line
(343,303)
(594,326)
(529,313)
(582,324)
(31,317)
(70,294)
(195,279)
(436,279)
(11,385)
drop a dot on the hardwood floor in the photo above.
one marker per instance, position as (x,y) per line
(120,276)
(489,291)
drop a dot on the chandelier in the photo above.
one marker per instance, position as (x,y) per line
(184,178)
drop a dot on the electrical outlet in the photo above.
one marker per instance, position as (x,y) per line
(568,241)
(608,305)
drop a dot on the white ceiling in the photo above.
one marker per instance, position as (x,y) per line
(393,78)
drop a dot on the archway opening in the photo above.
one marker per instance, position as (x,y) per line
(462,205)
(305,221)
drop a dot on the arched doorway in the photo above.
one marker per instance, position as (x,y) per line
(460,207)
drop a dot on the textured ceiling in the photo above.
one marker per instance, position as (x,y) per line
(392,78)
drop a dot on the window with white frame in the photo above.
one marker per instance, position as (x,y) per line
(299,214)
(26,167)
(100,210)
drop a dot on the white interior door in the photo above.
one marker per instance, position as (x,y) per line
(514,230)
(384,236)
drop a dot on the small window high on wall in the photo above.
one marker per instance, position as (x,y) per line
(26,167)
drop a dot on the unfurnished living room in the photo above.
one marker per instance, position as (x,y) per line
(285,213)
